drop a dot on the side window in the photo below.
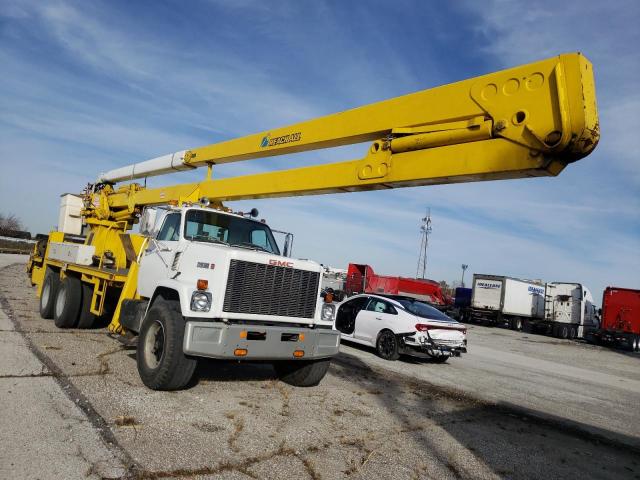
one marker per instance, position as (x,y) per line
(170,230)
(380,306)
(259,238)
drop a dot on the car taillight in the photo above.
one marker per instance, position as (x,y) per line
(421,327)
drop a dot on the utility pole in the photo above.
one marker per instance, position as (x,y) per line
(425,229)
(464,268)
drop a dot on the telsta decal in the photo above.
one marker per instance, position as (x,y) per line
(281,263)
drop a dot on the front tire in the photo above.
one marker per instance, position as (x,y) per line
(48,294)
(162,364)
(387,345)
(68,303)
(302,373)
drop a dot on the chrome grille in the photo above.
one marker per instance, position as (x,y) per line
(262,289)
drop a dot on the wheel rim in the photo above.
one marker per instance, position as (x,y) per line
(61,300)
(46,292)
(154,345)
(386,345)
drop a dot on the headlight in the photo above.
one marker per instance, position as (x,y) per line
(328,311)
(201,301)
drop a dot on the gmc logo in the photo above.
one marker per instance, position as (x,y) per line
(281,263)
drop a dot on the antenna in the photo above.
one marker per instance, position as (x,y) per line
(425,229)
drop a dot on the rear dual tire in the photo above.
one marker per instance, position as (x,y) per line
(68,303)
(48,295)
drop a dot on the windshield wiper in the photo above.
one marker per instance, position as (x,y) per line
(251,246)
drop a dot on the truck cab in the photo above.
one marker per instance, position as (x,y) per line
(569,309)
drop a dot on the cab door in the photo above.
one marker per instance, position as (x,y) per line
(160,254)
(378,315)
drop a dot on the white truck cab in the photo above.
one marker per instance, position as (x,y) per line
(238,297)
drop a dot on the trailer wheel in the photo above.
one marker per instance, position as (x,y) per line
(636,343)
(49,293)
(68,302)
(573,332)
(87,319)
(162,364)
(387,345)
(561,331)
(301,373)
(630,341)
(516,324)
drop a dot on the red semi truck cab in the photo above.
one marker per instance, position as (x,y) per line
(620,322)
(621,310)
(362,279)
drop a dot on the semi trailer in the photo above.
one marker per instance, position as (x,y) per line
(620,319)
(199,280)
(362,279)
(499,299)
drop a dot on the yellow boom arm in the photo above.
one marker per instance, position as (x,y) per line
(527,121)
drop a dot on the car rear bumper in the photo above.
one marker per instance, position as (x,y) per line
(258,342)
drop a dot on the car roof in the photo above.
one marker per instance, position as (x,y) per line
(394,298)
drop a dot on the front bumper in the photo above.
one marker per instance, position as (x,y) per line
(220,340)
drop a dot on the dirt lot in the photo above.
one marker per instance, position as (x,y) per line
(366,420)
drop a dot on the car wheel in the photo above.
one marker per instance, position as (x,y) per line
(68,302)
(387,345)
(162,364)
(48,294)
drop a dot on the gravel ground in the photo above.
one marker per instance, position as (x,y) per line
(365,420)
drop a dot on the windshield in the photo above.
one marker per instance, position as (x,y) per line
(214,227)
(425,311)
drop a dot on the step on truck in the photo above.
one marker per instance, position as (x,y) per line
(619,319)
(500,300)
(203,281)
(568,311)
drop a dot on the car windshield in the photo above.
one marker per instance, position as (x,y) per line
(425,311)
(214,227)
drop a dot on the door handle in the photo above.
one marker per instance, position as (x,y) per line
(378,318)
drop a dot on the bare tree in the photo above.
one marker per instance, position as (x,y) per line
(10,222)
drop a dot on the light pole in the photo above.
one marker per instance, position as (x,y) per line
(464,267)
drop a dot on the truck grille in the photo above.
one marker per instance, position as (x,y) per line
(262,289)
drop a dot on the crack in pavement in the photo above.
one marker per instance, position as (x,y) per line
(74,394)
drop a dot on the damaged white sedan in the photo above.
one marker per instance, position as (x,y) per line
(397,325)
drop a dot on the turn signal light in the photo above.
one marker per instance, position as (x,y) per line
(243,334)
(202,284)
(240,352)
(301,337)
(298,353)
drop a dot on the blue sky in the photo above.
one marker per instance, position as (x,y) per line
(89,86)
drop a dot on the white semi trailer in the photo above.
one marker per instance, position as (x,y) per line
(499,299)
(568,311)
